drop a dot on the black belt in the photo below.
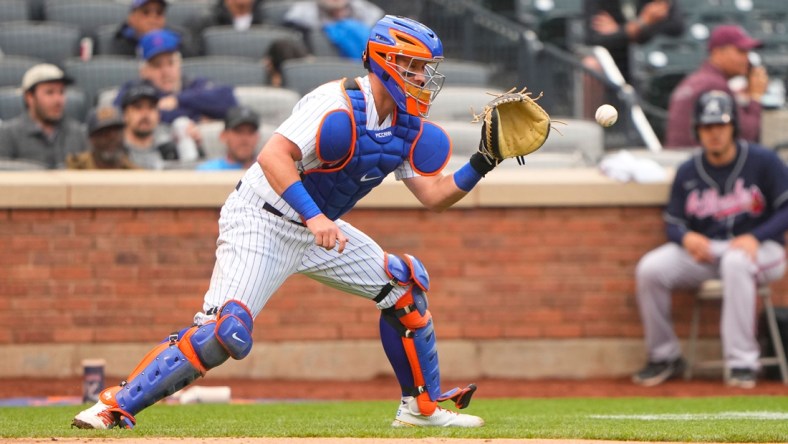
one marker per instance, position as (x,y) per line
(271,209)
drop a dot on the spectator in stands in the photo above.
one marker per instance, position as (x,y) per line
(146,16)
(195,98)
(726,219)
(241,15)
(148,142)
(728,47)
(43,134)
(105,133)
(608,26)
(241,136)
(345,23)
(280,51)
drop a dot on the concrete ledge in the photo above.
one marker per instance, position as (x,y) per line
(22,189)
(361,360)
(507,187)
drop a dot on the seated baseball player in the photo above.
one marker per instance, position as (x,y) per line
(726,219)
(284,217)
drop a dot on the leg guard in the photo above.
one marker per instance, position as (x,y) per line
(182,358)
(409,340)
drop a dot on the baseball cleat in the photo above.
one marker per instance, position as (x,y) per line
(104,416)
(655,373)
(408,415)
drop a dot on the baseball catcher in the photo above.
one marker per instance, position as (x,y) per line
(285,217)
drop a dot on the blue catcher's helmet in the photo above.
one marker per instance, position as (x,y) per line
(404,55)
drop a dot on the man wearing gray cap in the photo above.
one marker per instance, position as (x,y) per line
(43,134)
(241,136)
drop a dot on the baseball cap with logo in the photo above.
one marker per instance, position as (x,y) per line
(158,42)
(41,73)
(138,91)
(735,35)
(239,115)
(104,117)
(136,4)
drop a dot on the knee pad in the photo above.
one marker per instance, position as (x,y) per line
(185,356)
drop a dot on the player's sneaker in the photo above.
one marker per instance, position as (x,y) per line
(408,415)
(741,378)
(105,414)
(655,373)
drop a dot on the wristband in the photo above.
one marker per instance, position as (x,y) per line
(299,199)
(466,177)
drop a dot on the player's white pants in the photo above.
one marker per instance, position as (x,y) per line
(670,267)
(256,252)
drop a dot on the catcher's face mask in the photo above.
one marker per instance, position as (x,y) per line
(404,55)
(420,79)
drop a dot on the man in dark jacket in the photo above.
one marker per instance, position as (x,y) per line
(146,16)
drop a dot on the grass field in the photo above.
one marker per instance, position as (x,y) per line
(728,419)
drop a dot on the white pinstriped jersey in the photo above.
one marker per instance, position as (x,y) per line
(257,250)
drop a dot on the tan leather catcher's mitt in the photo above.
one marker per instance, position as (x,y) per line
(514,125)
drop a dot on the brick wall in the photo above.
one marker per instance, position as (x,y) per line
(115,276)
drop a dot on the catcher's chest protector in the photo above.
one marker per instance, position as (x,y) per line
(355,160)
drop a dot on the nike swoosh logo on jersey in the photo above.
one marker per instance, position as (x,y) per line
(235,336)
(364,178)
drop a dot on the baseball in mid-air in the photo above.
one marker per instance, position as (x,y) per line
(606,115)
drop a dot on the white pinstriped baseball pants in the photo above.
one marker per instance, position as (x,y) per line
(257,251)
(670,267)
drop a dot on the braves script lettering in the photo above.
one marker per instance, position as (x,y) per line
(709,203)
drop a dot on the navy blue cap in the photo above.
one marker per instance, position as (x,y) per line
(158,42)
(140,3)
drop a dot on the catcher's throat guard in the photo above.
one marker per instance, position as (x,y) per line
(409,338)
(183,357)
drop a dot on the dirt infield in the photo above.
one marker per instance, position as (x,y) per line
(386,388)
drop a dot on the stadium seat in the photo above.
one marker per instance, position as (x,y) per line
(13,67)
(305,74)
(556,21)
(273,12)
(14,10)
(711,290)
(234,71)
(321,46)
(252,43)
(101,72)
(658,66)
(88,15)
(184,13)
(273,104)
(460,102)
(52,42)
(12,104)
(581,138)
(104,36)
(465,73)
